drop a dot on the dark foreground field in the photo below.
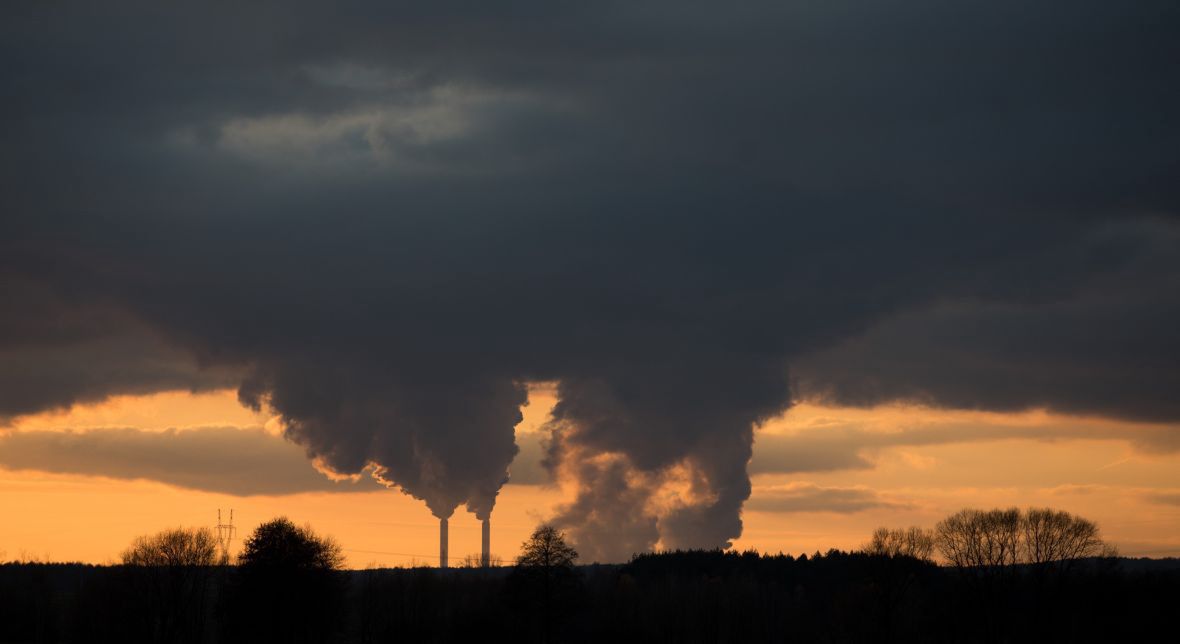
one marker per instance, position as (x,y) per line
(679,597)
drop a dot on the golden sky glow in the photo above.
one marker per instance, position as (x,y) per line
(178,409)
(909,465)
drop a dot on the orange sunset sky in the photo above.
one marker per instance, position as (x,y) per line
(823,477)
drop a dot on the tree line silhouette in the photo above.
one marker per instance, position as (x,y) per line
(1001,575)
(978,539)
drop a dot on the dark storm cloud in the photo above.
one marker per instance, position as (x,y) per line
(228,460)
(390,217)
(55,353)
(1108,349)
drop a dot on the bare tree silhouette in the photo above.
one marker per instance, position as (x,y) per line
(546,550)
(475,560)
(1057,537)
(980,539)
(176,547)
(1003,538)
(544,577)
(170,574)
(901,542)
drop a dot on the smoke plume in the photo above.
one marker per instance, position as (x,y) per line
(446,443)
(659,451)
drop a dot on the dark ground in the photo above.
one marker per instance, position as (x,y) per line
(678,597)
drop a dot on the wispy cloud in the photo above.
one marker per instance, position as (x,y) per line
(808,497)
(852,441)
(1164,498)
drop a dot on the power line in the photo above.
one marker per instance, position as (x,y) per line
(434,526)
(398,554)
(1151,552)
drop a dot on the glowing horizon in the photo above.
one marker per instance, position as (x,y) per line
(1109,471)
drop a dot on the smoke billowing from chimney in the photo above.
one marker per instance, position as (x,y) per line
(447,440)
(659,452)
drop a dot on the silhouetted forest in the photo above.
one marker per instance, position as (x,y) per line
(673,597)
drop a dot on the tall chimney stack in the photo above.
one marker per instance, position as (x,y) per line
(486,556)
(442,543)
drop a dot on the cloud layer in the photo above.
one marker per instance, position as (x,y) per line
(808,497)
(229,460)
(851,444)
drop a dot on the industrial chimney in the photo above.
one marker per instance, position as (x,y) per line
(442,543)
(485,559)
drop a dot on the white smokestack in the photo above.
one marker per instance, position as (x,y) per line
(485,559)
(442,543)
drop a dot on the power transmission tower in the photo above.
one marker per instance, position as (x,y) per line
(225,534)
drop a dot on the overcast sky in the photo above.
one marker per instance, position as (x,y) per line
(380,222)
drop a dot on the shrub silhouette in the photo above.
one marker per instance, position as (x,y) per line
(287,587)
(280,544)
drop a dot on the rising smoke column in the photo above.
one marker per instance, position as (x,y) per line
(446,443)
(659,450)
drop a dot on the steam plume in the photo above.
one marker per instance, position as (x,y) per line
(444,444)
(660,454)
